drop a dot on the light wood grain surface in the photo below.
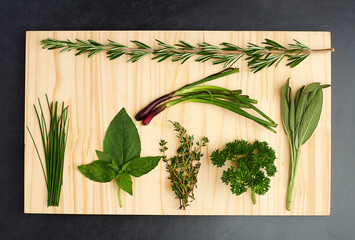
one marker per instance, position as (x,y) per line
(96,89)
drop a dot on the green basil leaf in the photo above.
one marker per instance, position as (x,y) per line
(98,171)
(114,166)
(104,156)
(301,106)
(127,167)
(311,118)
(124,181)
(141,166)
(285,112)
(122,140)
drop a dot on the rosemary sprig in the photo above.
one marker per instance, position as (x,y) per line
(258,57)
(184,167)
(54,140)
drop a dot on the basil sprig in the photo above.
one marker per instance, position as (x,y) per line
(121,156)
(300,117)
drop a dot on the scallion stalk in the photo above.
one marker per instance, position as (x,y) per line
(232,100)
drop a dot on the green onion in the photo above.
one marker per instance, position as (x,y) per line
(231,100)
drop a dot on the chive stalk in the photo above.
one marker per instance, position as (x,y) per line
(54,139)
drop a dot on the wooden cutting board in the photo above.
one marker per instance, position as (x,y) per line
(96,89)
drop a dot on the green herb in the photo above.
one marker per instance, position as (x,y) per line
(54,140)
(252,166)
(184,167)
(231,100)
(300,117)
(258,57)
(121,156)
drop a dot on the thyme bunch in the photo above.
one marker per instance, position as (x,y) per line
(185,166)
(258,56)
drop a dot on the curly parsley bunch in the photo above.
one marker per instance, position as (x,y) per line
(253,165)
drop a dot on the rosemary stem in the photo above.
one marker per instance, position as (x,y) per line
(258,56)
(199,50)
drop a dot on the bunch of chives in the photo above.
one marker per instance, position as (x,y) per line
(54,139)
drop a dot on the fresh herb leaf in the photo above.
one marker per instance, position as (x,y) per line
(124,182)
(307,106)
(122,140)
(104,156)
(285,108)
(141,166)
(252,166)
(120,159)
(303,100)
(311,118)
(184,167)
(292,111)
(114,166)
(258,57)
(98,171)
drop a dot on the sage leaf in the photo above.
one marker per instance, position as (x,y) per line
(302,102)
(313,93)
(104,156)
(125,183)
(141,166)
(325,86)
(285,108)
(98,171)
(122,140)
(308,106)
(298,95)
(311,118)
(292,111)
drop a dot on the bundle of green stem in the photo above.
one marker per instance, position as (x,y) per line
(54,141)
(232,100)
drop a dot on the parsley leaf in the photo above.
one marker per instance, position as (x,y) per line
(253,165)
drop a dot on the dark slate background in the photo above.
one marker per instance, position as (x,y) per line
(16,17)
